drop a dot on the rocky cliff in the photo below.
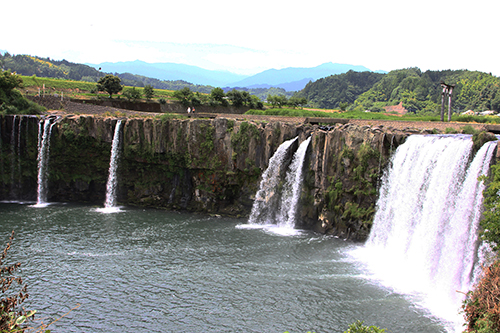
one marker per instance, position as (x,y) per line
(204,165)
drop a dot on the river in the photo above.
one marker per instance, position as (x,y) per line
(146,270)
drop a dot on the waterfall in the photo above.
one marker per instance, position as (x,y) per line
(266,198)
(111,185)
(13,157)
(424,237)
(276,200)
(43,160)
(291,189)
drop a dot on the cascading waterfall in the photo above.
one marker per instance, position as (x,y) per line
(276,201)
(424,237)
(291,190)
(111,185)
(43,159)
(266,198)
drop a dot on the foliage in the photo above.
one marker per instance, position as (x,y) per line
(12,315)
(421,92)
(46,67)
(359,327)
(241,139)
(218,96)
(490,222)
(132,94)
(110,84)
(11,100)
(482,305)
(332,91)
(149,92)
(479,138)
(185,95)
(277,100)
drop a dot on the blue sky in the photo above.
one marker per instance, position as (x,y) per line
(252,36)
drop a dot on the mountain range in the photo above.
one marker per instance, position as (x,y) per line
(290,79)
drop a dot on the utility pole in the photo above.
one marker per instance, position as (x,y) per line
(447,91)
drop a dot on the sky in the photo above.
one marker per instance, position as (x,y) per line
(253,36)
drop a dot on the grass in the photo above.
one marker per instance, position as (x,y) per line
(84,88)
(371,115)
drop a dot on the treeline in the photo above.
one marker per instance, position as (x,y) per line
(419,92)
(338,91)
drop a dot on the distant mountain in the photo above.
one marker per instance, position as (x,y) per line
(290,79)
(296,78)
(171,72)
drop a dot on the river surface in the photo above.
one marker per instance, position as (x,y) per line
(145,270)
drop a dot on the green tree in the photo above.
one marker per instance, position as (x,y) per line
(236,97)
(132,94)
(218,95)
(297,101)
(110,84)
(149,92)
(277,100)
(185,95)
(11,100)
(255,102)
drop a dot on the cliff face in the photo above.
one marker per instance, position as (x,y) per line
(211,166)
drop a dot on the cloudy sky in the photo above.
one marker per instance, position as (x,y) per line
(252,36)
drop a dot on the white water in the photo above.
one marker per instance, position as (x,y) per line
(424,237)
(291,190)
(43,160)
(275,205)
(263,208)
(111,185)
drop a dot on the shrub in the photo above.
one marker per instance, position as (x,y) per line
(482,305)
(12,315)
(359,327)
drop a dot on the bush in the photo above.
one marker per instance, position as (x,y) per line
(12,315)
(482,305)
(359,327)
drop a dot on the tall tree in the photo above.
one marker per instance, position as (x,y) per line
(149,92)
(110,84)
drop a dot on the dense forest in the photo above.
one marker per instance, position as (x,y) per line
(335,90)
(418,91)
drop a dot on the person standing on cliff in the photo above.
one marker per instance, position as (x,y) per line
(189,111)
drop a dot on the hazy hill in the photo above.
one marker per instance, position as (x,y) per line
(296,78)
(171,72)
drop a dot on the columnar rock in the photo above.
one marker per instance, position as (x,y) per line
(210,165)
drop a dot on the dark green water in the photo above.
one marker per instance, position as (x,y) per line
(155,271)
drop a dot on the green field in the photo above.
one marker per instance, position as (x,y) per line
(80,88)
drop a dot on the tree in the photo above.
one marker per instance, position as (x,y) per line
(148,92)
(8,81)
(218,95)
(110,84)
(185,95)
(277,100)
(296,101)
(132,94)
(236,97)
